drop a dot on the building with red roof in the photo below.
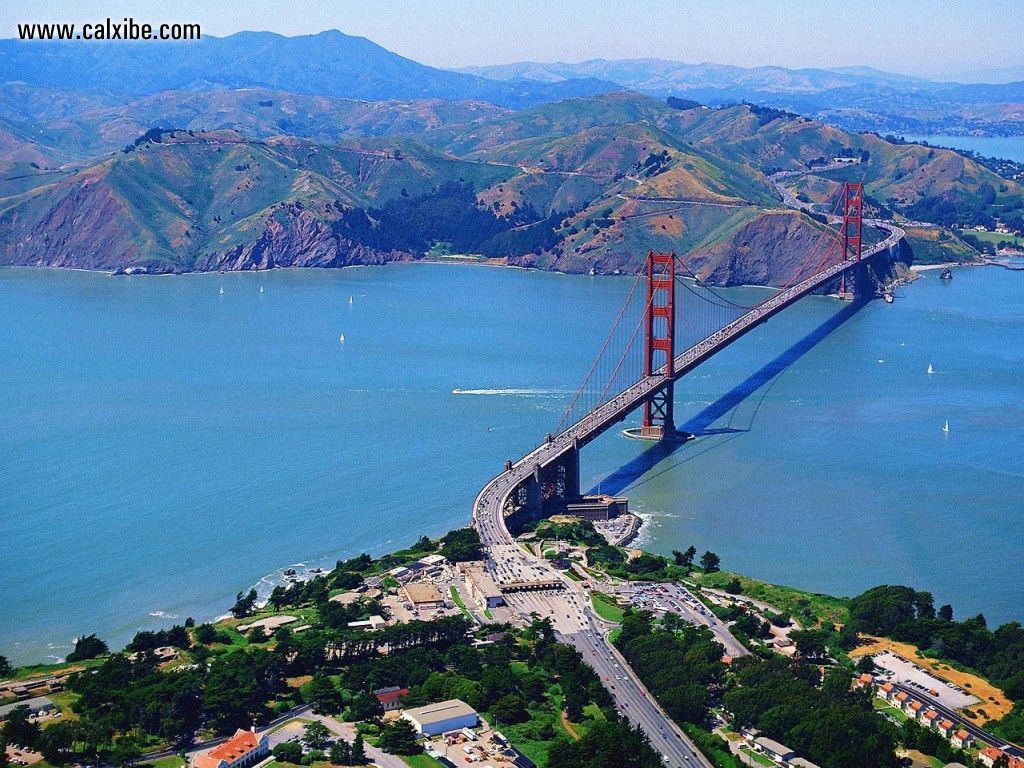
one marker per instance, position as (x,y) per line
(391,697)
(242,750)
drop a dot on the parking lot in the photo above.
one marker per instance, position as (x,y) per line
(675,598)
(918,679)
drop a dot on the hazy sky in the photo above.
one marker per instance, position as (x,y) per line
(928,38)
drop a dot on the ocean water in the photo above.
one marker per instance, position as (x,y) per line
(1005,147)
(163,445)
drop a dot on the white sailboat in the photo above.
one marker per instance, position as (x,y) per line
(930,369)
(222,290)
(261,289)
(945,427)
(342,338)
(350,302)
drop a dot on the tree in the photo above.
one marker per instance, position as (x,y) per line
(6,670)
(317,736)
(87,647)
(206,634)
(363,707)
(341,753)
(358,752)
(56,742)
(837,681)
(288,752)
(710,562)
(461,544)
(810,643)
(125,751)
(322,696)
(511,709)
(244,604)
(734,587)
(399,738)
(866,664)
(946,612)
(19,729)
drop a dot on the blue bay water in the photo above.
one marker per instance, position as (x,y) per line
(163,446)
(1005,147)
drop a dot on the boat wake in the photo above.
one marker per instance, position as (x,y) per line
(513,392)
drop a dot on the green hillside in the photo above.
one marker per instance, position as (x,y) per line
(246,179)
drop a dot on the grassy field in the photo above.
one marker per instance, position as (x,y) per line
(606,607)
(808,608)
(995,237)
(931,245)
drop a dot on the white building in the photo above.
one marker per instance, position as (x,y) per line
(445,716)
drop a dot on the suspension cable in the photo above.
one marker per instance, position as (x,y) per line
(600,353)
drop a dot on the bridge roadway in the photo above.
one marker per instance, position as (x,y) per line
(569,607)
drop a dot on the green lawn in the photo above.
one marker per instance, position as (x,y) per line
(422,760)
(168,762)
(883,707)
(606,608)
(757,757)
(457,599)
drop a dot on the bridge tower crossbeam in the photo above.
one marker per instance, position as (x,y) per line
(659,344)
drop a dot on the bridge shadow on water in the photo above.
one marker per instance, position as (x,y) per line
(700,425)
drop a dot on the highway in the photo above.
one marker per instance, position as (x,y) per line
(576,624)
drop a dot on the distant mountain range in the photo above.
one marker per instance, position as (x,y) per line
(328,64)
(856,98)
(342,66)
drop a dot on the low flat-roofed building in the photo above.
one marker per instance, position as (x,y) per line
(773,749)
(445,716)
(244,749)
(433,560)
(482,587)
(799,762)
(598,507)
(36,706)
(423,595)
(346,598)
(372,623)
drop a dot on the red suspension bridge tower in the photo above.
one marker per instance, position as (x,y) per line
(853,208)
(659,344)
